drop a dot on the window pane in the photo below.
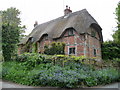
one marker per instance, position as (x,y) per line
(71,32)
(95,52)
(71,50)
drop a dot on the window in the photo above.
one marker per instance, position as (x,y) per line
(93,33)
(31,39)
(72,50)
(71,32)
(46,37)
(94,52)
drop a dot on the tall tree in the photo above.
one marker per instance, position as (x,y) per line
(11,32)
(116,35)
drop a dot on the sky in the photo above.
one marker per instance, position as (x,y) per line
(46,10)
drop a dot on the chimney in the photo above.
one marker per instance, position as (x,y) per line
(67,10)
(36,23)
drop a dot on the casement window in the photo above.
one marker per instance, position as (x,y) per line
(45,36)
(94,52)
(31,39)
(93,33)
(70,32)
(72,51)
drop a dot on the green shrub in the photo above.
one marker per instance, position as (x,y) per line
(110,46)
(31,60)
(103,76)
(34,71)
(54,48)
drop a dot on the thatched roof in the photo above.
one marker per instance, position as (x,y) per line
(80,21)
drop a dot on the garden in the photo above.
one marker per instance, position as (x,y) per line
(58,71)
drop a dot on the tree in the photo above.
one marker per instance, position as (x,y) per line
(11,32)
(116,35)
(110,50)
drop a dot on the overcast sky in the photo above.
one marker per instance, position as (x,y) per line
(46,10)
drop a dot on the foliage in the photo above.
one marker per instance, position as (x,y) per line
(104,76)
(54,48)
(16,72)
(30,60)
(65,59)
(11,32)
(34,48)
(110,50)
(116,35)
(71,75)
(0,70)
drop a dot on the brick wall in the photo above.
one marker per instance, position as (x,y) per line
(84,44)
(93,43)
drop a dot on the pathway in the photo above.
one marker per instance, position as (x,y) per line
(7,84)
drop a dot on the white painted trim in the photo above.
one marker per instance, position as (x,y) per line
(68,50)
(76,50)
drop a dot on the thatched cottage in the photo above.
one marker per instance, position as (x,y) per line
(78,30)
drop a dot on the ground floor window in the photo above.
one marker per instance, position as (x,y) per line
(94,52)
(72,50)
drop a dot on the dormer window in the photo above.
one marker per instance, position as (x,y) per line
(31,39)
(70,32)
(93,33)
(46,37)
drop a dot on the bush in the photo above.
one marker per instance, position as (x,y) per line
(17,72)
(32,69)
(112,47)
(31,60)
(58,76)
(54,48)
(14,71)
(103,76)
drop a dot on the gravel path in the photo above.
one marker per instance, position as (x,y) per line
(7,84)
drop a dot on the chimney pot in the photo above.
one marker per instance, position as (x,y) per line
(66,6)
(36,23)
(67,10)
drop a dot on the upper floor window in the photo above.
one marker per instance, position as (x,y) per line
(31,39)
(93,33)
(45,36)
(70,32)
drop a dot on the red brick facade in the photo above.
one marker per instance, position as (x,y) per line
(84,44)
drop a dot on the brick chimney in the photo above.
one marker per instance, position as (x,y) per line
(67,10)
(36,23)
